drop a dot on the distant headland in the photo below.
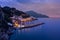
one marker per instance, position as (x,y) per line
(37,15)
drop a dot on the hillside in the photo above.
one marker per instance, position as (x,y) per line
(37,15)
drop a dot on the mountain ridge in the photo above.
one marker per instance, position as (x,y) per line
(37,15)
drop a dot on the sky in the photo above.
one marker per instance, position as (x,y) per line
(47,7)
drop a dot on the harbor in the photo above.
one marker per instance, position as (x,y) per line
(25,24)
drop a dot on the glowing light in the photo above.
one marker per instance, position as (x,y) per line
(16,24)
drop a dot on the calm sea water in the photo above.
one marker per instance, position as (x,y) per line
(48,31)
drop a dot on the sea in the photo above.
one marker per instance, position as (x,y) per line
(50,30)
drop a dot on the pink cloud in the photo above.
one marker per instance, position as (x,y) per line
(50,9)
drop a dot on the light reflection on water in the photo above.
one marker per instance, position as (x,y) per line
(49,31)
